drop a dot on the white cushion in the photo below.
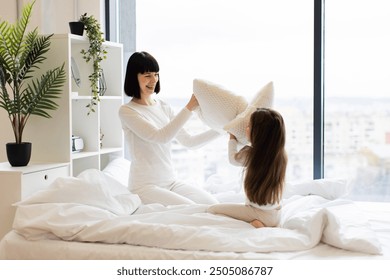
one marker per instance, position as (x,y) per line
(263,99)
(327,188)
(118,169)
(91,187)
(217,105)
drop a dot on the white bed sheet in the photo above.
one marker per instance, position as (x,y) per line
(96,208)
(95,217)
(16,247)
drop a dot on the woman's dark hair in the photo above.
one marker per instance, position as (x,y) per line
(266,158)
(139,63)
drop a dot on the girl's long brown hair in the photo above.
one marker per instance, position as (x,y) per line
(266,158)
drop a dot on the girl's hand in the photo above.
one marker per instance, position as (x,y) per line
(232,136)
(193,103)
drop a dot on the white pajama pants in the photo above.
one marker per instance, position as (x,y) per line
(247,213)
(173,194)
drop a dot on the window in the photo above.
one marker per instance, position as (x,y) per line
(241,45)
(357,103)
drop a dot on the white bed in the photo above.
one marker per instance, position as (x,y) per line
(95,217)
(16,247)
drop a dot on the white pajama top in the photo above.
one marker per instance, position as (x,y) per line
(148,131)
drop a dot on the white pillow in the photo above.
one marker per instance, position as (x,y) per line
(92,187)
(118,169)
(326,188)
(263,99)
(217,105)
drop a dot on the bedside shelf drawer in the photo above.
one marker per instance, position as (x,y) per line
(35,181)
(18,183)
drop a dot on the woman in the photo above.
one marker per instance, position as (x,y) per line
(149,126)
(265,163)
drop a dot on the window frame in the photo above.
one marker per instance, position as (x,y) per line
(318,90)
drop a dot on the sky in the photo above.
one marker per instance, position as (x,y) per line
(244,44)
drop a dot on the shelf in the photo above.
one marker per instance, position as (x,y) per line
(32,166)
(76,39)
(52,137)
(81,97)
(78,155)
(104,97)
(104,120)
(110,150)
(111,97)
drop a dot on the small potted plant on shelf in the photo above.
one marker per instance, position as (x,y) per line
(21,94)
(76,27)
(96,53)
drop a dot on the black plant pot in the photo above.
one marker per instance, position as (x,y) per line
(19,154)
(76,27)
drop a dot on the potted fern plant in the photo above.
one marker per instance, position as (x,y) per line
(22,94)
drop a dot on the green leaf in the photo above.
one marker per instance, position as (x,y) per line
(39,96)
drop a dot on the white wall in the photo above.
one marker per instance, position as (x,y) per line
(8,10)
(53,16)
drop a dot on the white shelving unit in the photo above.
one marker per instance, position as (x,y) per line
(52,138)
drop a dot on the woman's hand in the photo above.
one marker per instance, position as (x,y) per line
(193,103)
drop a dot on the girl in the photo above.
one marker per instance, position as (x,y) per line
(265,163)
(150,125)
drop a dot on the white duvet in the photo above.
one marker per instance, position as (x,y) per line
(96,208)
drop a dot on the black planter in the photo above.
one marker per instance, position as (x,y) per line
(19,154)
(76,27)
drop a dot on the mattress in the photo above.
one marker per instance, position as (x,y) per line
(93,218)
(16,247)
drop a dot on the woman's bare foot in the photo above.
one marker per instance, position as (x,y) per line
(257,224)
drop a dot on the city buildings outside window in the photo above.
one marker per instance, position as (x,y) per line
(357,96)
